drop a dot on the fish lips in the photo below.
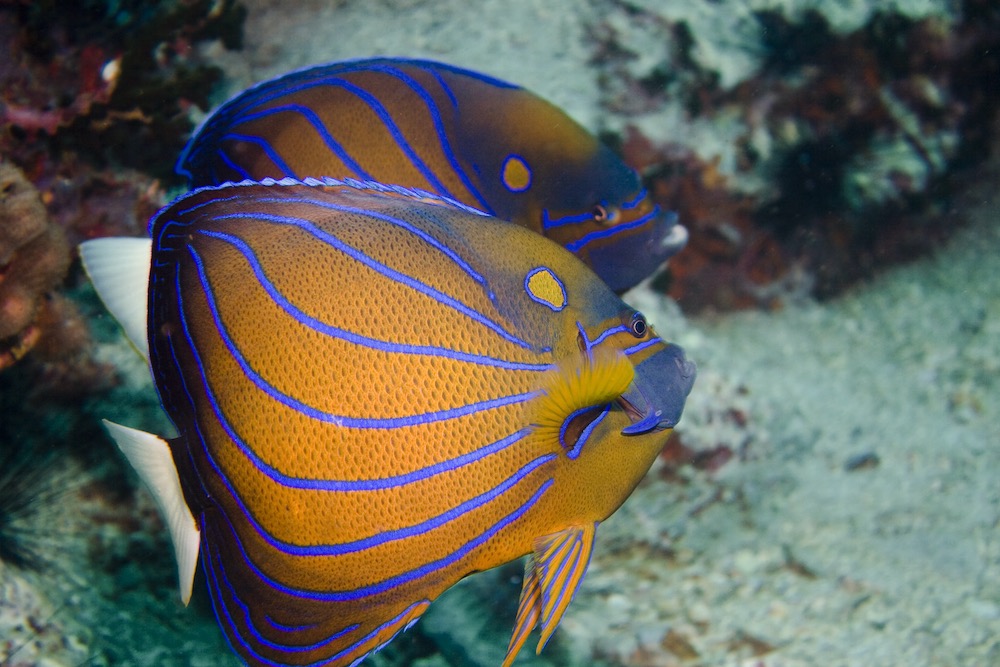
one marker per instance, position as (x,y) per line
(655,399)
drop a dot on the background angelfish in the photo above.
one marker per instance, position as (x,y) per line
(375,397)
(452,132)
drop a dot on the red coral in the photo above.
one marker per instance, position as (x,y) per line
(730,262)
(850,147)
(44,96)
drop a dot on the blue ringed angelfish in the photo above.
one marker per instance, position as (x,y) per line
(448,131)
(376,395)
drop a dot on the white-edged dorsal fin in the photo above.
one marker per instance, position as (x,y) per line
(151,458)
(119,269)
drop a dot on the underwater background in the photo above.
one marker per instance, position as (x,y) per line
(830,496)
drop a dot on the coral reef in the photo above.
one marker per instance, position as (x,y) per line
(111,81)
(33,259)
(809,165)
(85,95)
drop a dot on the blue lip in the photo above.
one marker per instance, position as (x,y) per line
(655,399)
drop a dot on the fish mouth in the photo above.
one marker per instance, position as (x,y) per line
(655,399)
(675,240)
(633,413)
(641,423)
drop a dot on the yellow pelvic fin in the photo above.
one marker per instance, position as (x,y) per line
(551,576)
(581,382)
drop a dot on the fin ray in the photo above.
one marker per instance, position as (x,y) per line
(552,576)
(527,612)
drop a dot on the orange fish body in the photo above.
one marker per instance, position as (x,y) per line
(373,403)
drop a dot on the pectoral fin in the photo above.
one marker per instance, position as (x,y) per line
(551,576)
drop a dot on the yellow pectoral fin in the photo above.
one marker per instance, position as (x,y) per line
(527,612)
(580,384)
(551,578)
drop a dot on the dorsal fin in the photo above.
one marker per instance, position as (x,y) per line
(552,575)
(152,459)
(119,269)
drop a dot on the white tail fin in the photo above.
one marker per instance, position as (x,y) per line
(151,458)
(119,269)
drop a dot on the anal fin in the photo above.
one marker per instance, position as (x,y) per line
(551,577)
(152,459)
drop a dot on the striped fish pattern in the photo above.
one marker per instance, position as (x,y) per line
(451,132)
(373,403)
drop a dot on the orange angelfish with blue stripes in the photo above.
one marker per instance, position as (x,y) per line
(449,131)
(376,396)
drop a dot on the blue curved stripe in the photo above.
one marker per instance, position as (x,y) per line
(219,571)
(612,231)
(379,267)
(265,146)
(359,339)
(409,531)
(344,421)
(232,165)
(392,220)
(639,347)
(387,585)
(320,127)
(443,84)
(436,119)
(333,484)
(576,218)
(635,201)
(585,433)
(610,331)
(281,627)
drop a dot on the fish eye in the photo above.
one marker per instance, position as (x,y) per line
(600,214)
(638,325)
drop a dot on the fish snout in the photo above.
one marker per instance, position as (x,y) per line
(649,245)
(655,398)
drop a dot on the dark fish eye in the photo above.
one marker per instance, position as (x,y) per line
(638,325)
(600,214)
